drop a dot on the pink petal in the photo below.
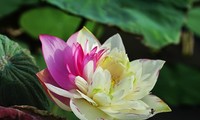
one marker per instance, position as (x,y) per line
(78,58)
(100,53)
(45,77)
(54,50)
(94,55)
(93,51)
(74,58)
(90,56)
(69,60)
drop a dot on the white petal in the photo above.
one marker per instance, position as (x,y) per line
(62,92)
(81,84)
(134,105)
(88,71)
(87,98)
(101,81)
(85,111)
(117,95)
(102,99)
(114,42)
(127,111)
(87,40)
(146,77)
(125,85)
(156,104)
(129,116)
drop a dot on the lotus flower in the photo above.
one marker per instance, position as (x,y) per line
(98,82)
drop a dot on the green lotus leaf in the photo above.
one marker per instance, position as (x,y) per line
(193,20)
(18,82)
(158,21)
(48,20)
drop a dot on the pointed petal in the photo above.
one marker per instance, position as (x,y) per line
(62,92)
(54,54)
(85,111)
(146,72)
(114,42)
(156,104)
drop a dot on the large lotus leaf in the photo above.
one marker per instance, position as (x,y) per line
(48,20)
(18,82)
(193,21)
(8,6)
(178,84)
(159,21)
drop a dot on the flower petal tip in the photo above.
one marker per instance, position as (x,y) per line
(84,28)
(40,75)
(44,36)
(162,62)
(166,108)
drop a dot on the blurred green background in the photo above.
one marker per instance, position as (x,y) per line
(156,29)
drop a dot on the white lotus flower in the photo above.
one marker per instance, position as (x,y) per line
(108,88)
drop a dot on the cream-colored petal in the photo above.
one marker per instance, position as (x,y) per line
(101,81)
(114,42)
(88,71)
(62,92)
(124,86)
(117,63)
(130,116)
(81,84)
(127,113)
(85,111)
(87,98)
(87,40)
(117,95)
(102,99)
(134,105)
(156,104)
(146,78)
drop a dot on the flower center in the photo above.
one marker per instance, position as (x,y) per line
(115,68)
(117,64)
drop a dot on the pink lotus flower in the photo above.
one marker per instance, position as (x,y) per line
(98,81)
(65,61)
